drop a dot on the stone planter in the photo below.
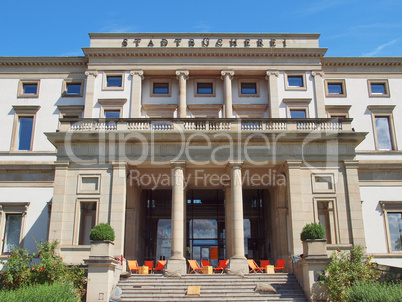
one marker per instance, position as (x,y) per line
(101,248)
(315,247)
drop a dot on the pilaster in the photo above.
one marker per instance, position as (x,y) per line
(319,94)
(227,76)
(90,92)
(136,93)
(182,76)
(273,100)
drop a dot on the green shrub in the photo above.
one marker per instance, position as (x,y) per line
(102,231)
(345,269)
(312,231)
(374,292)
(16,270)
(55,292)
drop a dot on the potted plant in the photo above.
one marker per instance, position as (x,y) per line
(102,237)
(314,242)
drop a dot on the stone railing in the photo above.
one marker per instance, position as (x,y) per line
(205,125)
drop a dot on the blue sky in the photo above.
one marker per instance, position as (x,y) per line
(351,28)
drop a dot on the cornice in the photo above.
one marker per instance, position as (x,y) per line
(43,61)
(195,35)
(204,52)
(361,62)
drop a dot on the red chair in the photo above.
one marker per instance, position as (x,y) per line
(264,264)
(280,265)
(150,265)
(205,263)
(159,266)
(221,266)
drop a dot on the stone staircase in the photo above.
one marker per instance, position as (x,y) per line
(213,288)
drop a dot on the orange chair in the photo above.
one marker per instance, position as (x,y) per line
(150,265)
(193,267)
(159,266)
(280,265)
(221,266)
(133,265)
(254,268)
(205,263)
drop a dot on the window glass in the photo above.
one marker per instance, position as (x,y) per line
(297,113)
(161,88)
(73,88)
(114,81)
(383,133)
(395,230)
(204,88)
(249,88)
(112,113)
(25,133)
(378,88)
(295,81)
(88,219)
(335,88)
(12,232)
(30,88)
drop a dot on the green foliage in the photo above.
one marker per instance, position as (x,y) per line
(374,292)
(312,231)
(55,292)
(102,231)
(345,269)
(20,270)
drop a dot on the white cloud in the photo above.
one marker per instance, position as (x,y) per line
(380,48)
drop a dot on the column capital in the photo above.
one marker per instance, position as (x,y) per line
(227,73)
(271,73)
(315,73)
(183,73)
(137,72)
(119,164)
(235,164)
(60,165)
(178,164)
(294,164)
(351,164)
(93,73)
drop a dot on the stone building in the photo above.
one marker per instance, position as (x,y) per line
(218,146)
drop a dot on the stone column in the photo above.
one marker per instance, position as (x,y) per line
(273,100)
(354,201)
(228,222)
(90,92)
(319,94)
(177,262)
(118,205)
(238,261)
(182,76)
(295,204)
(57,216)
(227,76)
(136,93)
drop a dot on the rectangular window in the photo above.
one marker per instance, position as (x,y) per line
(205,88)
(112,113)
(297,113)
(383,132)
(28,89)
(12,232)
(87,221)
(295,81)
(160,88)
(248,88)
(25,125)
(395,231)
(114,81)
(73,89)
(378,88)
(335,88)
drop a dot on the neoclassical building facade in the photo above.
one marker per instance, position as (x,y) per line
(201,146)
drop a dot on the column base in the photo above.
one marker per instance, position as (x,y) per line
(238,264)
(176,265)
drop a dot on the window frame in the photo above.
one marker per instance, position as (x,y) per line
(294,74)
(297,104)
(207,80)
(77,217)
(335,226)
(13,208)
(111,104)
(21,93)
(383,111)
(390,207)
(246,81)
(107,74)
(80,190)
(316,189)
(162,80)
(66,82)
(379,95)
(338,111)
(23,111)
(342,82)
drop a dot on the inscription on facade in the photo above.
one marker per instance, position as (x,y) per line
(205,43)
